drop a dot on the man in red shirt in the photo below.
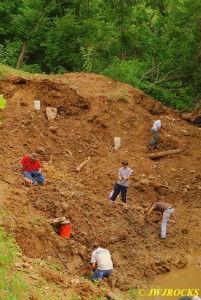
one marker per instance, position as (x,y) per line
(31,168)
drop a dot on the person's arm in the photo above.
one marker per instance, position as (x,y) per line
(119,176)
(149,211)
(39,167)
(161,216)
(159,219)
(93,261)
(22,164)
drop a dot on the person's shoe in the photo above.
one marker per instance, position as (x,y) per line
(43,183)
(35,183)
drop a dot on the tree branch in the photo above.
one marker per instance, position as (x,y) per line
(150,21)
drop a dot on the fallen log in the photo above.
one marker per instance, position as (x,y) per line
(83,164)
(164,153)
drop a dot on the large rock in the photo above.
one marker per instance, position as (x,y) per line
(51,113)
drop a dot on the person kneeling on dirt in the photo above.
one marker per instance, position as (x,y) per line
(31,168)
(101,263)
(166,210)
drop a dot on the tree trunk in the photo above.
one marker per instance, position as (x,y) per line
(21,56)
(165,153)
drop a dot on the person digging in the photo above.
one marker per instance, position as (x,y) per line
(166,210)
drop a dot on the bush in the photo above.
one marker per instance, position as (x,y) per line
(169,93)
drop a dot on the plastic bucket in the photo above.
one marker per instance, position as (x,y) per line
(117,143)
(37,105)
(65,230)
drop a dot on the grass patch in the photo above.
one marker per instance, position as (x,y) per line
(8,249)
(11,285)
(123,96)
(5,71)
(2,102)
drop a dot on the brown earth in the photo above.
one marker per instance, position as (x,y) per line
(92,110)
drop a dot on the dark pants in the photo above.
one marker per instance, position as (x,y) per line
(117,189)
(99,274)
(154,141)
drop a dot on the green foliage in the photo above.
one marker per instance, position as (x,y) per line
(87,59)
(54,266)
(123,96)
(152,45)
(32,68)
(8,249)
(9,52)
(133,293)
(170,93)
(2,102)
(75,297)
(12,287)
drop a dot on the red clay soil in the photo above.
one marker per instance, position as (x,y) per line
(92,110)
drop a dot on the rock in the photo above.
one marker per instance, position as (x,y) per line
(184,231)
(51,113)
(53,129)
(40,150)
(193,171)
(185,132)
(186,117)
(173,170)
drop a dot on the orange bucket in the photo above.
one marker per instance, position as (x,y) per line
(65,229)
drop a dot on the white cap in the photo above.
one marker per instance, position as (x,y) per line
(196,298)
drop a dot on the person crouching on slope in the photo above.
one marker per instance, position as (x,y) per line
(101,263)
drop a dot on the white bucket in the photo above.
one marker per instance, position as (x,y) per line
(37,105)
(117,143)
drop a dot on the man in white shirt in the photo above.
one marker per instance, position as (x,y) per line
(122,183)
(155,130)
(101,263)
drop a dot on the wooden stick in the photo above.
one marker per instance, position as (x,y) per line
(165,153)
(83,164)
(62,261)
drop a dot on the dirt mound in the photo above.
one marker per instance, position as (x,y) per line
(92,110)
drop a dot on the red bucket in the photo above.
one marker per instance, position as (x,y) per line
(65,230)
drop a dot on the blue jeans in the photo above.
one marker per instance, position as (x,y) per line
(99,274)
(34,176)
(166,214)
(117,189)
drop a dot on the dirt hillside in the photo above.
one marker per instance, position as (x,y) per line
(91,111)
